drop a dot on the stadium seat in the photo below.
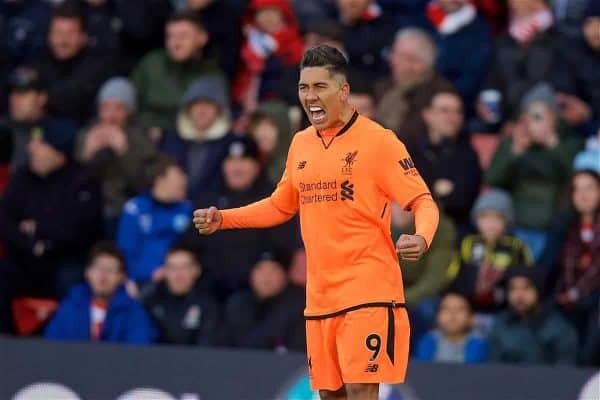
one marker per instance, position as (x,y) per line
(30,314)
(485,146)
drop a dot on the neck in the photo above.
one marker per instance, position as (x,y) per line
(587,218)
(456,337)
(104,299)
(435,137)
(344,118)
(158,195)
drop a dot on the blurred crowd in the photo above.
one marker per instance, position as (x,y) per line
(120,117)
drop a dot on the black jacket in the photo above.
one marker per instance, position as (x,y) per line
(457,162)
(189,319)
(228,256)
(67,208)
(276,322)
(73,83)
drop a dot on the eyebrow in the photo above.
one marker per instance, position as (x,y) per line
(319,83)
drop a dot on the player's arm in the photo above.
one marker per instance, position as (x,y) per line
(397,176)
(280,207)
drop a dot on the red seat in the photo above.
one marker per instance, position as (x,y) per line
(485,146)
(30,314)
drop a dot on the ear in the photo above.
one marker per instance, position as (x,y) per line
(345,92)
(203,38)
(426,114)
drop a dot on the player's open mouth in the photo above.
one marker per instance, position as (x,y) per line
(317,113)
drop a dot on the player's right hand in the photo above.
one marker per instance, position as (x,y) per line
(207,220)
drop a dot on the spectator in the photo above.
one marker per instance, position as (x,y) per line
(425,279)
(47,242)
(225,38)
(445,158)
(582,109)
(100,310)
(272,43)
(528,332)
(270,127)
(203,132)
(414,83)
(6,150)
(103,32)
(115,146)
(181,305)
(534,166)
(460,30)
(529,53)
(362,96)
(72,69)
(24,28)
(569,15)
(151,222)
(243,182)
(28,100)
(483,259)
(580,261)
(270,315)
(454,340)
(368,33)
(162,76)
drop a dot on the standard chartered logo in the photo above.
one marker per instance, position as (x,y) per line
(318,192)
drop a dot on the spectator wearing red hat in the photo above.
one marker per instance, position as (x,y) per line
(272,42)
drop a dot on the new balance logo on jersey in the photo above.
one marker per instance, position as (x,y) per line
(406,163)
(301,164)
(347,191)
(372,368)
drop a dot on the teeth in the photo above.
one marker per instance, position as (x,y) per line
(314,109)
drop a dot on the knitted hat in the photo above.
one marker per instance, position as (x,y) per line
(210,88)
(494,200)
(119,89)
(587,160)
(58,133)
(542,92)
(24,78)
(277,254)
(242,147)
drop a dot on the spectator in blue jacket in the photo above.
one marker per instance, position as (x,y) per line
(152,222)
(459,31)
(101,310)
(454,340)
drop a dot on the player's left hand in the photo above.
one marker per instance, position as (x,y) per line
(411,247)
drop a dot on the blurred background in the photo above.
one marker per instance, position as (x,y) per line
(119,117)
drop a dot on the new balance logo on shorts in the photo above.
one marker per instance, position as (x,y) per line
(347,191)
(372,368)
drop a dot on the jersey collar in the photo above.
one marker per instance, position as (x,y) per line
(346,127)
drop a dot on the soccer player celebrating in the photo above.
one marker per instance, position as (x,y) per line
(342,173)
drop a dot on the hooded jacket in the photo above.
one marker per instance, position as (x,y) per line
(126,320)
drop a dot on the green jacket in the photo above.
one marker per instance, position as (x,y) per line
(160,84)
(426,278)
(536,179)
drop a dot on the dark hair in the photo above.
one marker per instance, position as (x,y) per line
(70,10)
(190,16)
(256,118)
(184,248)
(450,92)
(107,248)
(328,29)
(458,293)
(325,56)
(359,84)
(159,167)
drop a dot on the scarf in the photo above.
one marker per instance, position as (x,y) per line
(525,29)
(448,24)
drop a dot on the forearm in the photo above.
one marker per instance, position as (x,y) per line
(262,214)
(427,217)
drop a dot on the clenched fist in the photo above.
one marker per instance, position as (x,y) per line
(207,220)
(411,247)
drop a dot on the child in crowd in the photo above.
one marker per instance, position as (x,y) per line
(483,258)
(454,340)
